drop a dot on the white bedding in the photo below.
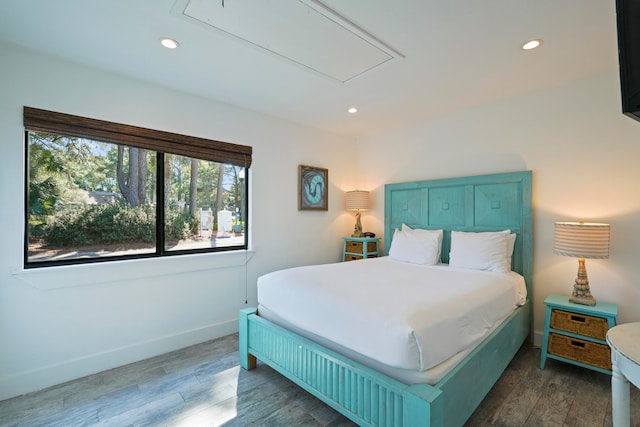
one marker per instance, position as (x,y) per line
(405,316)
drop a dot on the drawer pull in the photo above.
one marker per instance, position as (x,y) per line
(577,344)
(578,318)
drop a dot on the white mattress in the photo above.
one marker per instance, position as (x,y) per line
(403,316)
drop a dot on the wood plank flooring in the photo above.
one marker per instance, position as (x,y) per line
(203,385)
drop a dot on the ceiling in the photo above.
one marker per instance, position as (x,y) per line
(439,56)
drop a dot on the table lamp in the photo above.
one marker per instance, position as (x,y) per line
(357,200)
(582,240)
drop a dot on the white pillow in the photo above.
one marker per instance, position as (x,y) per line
(415,248)
(428,235)
(489,251)
(511,244)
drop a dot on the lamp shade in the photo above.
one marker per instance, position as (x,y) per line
(357,200)
(581,239)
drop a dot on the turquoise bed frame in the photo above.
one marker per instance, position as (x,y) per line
(369,398)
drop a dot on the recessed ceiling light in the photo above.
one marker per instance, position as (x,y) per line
(531,44)
(169,43)
(352,110)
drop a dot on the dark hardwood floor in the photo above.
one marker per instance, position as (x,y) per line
(203,385)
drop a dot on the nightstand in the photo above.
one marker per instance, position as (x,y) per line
(360,248)
(576,333)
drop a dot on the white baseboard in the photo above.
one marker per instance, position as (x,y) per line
(47,376)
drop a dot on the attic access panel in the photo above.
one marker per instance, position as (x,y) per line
(304,32)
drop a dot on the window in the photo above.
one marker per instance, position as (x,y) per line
(98,191)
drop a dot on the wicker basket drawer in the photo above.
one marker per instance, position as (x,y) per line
(357,247)
(350,257)
(591,353)
(580,324)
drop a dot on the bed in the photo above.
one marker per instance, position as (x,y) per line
(362,389)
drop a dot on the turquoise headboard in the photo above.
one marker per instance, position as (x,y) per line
(475,203)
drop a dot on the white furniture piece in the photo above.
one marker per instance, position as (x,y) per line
(625,357)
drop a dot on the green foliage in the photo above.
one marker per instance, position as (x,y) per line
(133,224)
(42,199)
(180,225)
(101,224)
(63,170)
(67,228)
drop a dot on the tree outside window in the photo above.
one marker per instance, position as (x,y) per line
(91,200)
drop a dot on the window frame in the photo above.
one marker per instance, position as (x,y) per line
(37,120)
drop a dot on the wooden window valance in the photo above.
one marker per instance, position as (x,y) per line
(166,142)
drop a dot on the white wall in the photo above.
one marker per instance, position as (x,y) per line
(62,323)
(584,156)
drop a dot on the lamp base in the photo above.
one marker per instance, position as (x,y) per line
(581,292)
(357,229)
(590,300)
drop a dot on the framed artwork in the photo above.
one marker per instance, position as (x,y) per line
(312,188)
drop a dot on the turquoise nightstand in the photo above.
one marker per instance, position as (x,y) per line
(360,248)
(576,333)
